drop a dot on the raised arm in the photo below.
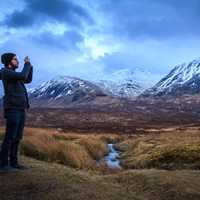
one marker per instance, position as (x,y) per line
(9,74)
(30,75)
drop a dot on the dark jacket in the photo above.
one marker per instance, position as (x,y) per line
(15,93)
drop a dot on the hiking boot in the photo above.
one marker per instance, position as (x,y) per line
(7,168)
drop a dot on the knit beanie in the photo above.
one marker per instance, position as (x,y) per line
(6,58)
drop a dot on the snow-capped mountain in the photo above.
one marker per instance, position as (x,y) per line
(127,82)
(121,83)
(182,79)
(127,89)
(62,90)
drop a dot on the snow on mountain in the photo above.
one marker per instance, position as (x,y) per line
(123,83)
(182,79)
(127,82)
(29,90)
(64,89)
(126,89)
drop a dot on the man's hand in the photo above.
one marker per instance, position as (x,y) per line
(27,59)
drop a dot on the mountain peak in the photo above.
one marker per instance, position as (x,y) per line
(63,90)
(182,79)
(126,82)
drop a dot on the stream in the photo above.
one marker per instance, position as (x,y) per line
(112,158)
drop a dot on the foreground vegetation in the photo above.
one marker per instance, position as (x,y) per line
(165,149)
(52,181)
(63,166)
(172,148)
(81,151)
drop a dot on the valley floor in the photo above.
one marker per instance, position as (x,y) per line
(54,181)
(62,166)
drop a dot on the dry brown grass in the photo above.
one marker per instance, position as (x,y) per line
(175,149)
(52,181)
(46,148)
(73,149)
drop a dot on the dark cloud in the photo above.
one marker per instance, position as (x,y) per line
(158,19)
(67,41)
(126,18)
(18,19)
(37,11)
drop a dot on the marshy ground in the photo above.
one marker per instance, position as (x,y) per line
(160,164)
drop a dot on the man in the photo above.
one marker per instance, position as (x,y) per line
(15,103)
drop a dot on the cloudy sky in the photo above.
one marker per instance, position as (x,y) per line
(93,39)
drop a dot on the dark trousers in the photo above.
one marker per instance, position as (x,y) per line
(15,122)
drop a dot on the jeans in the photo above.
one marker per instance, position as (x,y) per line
(15,122)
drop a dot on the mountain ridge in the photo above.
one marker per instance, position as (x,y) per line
(182,79)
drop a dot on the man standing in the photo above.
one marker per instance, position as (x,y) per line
(15,103)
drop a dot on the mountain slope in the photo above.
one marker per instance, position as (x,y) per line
(124,89)
(182,79)
(121,83)
(126,82)
(63,90)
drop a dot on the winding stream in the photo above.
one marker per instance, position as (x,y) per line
(112,158)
